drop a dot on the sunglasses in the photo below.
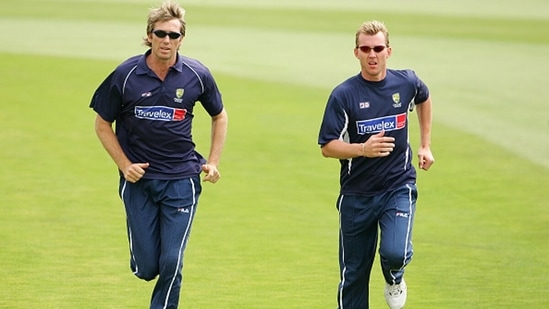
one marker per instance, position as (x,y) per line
(162,34)
(368,49)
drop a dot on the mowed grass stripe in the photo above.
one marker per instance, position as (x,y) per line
(71,38)
(529,9)
(311,17)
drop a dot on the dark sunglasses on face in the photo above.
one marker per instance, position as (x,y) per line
(162,34)
(368,49)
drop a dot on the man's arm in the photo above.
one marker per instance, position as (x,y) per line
(376,146)
(132,172)
(218,136)
(425,118)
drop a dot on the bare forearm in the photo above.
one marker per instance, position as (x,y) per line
(108,139)
(376,146)
(424,114)
(425,117)
(342,150)
(218,136)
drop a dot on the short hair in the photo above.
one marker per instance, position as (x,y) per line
(167,11)
(372,28)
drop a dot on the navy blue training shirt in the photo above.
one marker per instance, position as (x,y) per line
(153,118)
(357,109)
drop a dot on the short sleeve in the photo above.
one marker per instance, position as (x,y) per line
(107,100)
(211,98)
(334,122)
(422,91)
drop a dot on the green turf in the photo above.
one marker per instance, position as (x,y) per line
(266,234)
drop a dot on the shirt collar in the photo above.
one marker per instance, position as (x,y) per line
(143,68)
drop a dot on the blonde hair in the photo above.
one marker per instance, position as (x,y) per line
(372,28)
(167,11)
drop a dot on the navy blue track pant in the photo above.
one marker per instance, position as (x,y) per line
(392,213)
(159,216)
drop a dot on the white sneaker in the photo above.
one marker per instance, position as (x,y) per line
(395,295)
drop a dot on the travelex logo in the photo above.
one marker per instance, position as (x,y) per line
(162,113)
(388,123)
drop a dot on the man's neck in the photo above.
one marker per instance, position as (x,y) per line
(159,66)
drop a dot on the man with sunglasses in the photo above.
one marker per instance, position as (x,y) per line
(151,98)
(365,126)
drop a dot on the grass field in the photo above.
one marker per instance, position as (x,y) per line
(266,234)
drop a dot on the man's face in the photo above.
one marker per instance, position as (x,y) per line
(373,60)
(165,48)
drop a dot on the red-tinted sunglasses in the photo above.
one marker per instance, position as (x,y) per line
(368,49)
